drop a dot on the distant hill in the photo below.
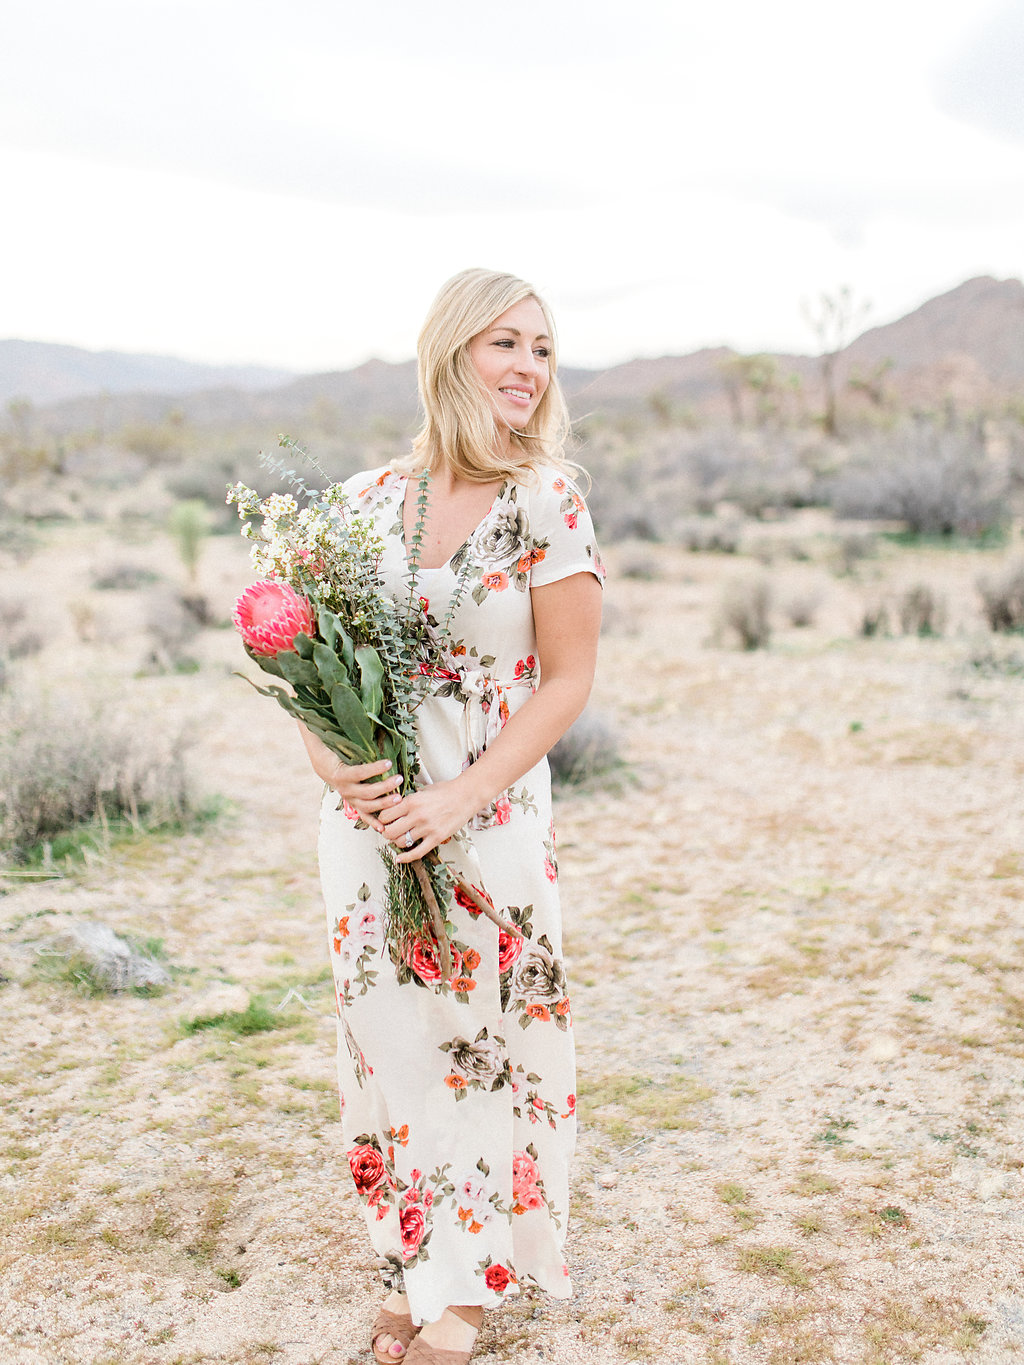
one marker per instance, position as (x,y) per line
(967,343)
(45,372)
(981,321)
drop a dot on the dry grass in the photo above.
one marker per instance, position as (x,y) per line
(796,947)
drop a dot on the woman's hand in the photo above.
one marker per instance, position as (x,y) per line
(428,817)
(367,787)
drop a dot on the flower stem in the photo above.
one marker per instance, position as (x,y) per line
(436,918)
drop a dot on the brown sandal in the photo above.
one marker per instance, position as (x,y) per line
(422,1353)
(397,1325)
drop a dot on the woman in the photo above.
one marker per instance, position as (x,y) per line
(458,1103)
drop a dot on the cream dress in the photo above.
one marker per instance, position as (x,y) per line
(458,1098)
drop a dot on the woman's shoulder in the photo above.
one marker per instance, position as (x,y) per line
(560,526)
(551,493)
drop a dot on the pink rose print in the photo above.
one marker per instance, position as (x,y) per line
(524,1171)
(367,1166)
(422,956)
(509,950)
(462,899)
(502,810)
(366,926)
(498,1279)
(413,1225)
(530,1199)
(550,870)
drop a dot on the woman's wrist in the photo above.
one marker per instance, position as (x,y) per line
(475,790)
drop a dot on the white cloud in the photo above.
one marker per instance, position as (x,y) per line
(291,185)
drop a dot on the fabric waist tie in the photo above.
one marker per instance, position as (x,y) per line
(476,684)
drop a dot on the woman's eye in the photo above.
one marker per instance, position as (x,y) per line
(506,342)
(543,352)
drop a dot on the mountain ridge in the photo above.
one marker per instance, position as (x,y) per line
(971,337)
(47,372)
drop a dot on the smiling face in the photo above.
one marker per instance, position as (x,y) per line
(511,358)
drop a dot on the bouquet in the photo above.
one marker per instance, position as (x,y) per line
(358,664)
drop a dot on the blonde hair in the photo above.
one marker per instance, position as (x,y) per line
(458,420)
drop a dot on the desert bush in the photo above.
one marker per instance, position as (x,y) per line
(991,663)
(172,623)
(744,611)
(638,565)
(718,535)
(851,548)
(589,749)
(123,577)
(874,620)
(935,480)
(18,636)
(63,766)
(1002,598)
(801,607)
(17,539)
(922,611)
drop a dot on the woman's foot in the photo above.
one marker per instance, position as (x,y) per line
(386,1345)
(455,1330)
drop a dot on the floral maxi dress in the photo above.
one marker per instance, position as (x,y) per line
(458,1098)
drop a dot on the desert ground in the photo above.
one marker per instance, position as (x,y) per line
(794,930)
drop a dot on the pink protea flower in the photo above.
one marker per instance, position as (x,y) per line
(269,615)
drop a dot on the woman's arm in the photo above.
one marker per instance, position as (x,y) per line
(567,620)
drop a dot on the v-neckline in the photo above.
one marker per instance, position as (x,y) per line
(433,568)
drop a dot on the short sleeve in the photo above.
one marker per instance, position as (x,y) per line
(562,532)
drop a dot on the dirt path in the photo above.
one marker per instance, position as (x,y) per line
(795,934)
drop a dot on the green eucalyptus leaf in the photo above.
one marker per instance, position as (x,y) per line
(303,646)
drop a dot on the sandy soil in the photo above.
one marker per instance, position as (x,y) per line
(794,926)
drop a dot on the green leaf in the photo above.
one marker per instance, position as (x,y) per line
(303,646)
(328,625)
(297,671)
(371,676)
(354,721)
(266,661)
(336,637)
(329,667)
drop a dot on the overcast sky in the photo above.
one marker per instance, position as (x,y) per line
(289,183)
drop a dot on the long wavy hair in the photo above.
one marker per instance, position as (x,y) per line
(458,428)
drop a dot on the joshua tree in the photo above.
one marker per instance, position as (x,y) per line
(834,320)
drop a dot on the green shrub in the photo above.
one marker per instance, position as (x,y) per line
(189,526)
